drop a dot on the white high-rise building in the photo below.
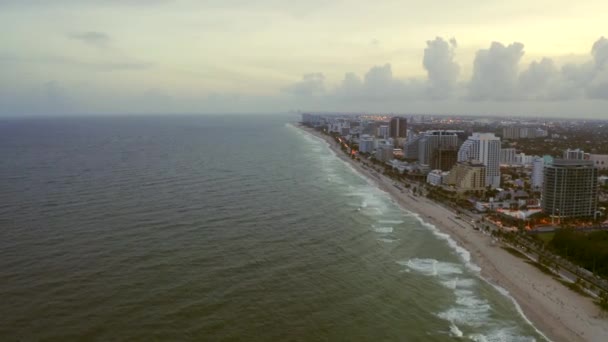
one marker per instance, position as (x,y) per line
(483,148)
(366,144)
(507,156)
(538,167)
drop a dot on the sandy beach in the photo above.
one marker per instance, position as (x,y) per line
(558,312)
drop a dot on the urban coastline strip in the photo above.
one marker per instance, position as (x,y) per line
(559,301)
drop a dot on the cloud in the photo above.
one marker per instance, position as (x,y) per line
(497,77)
(598,87)
(544,81)
(495,72)
(105,66)
(310,85)
(541,81)
(599,51)
(94,38)
(441,68)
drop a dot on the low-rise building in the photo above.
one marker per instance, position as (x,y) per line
(436,177)
(600,161)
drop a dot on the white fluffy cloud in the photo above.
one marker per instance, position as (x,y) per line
(497,76)
(441,68)
(310,85)
(495,72)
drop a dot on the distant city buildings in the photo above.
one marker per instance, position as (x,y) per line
(398,127)
(517,132)
(507,156)
(483,148)
(383,131)
(570,188)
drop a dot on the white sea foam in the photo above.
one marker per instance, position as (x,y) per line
(470,316)
(458,283)
(455,331)
(385,240)
(506,293)
(432,267)
(501,335)
(391,221)
(463,253)
(383,230)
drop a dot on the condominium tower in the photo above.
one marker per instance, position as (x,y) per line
(570,188)
(483,148)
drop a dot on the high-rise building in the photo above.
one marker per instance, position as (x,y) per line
(570,188)
(410,149)
(510,132)
(383,131)
(444,158)
(366,144)
(433,144)
(517,132)
(384,152)
(507,156)
(538,171)
(483,148)
(398,127)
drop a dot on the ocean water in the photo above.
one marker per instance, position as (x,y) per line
(220,228)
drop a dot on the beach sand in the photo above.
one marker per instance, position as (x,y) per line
(558,312)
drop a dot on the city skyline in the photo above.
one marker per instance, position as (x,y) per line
(74,57)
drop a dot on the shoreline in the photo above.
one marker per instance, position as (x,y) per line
(555,311)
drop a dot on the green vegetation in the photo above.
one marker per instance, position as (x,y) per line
(546,237)
(589,250)
(602,302)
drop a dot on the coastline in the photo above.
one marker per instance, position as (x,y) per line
(556,311)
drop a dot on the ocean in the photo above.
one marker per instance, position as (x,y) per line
(220,228)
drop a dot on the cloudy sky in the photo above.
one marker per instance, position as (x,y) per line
(521,57)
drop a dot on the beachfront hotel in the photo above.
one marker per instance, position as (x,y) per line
(467,176)
(570,188)
(484,148)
